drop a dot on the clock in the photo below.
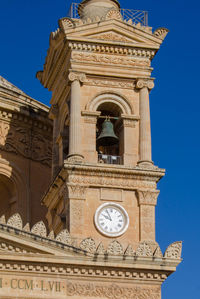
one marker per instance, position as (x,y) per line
(111,219)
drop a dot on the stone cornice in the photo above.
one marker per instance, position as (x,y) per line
(26,118)
(102,47)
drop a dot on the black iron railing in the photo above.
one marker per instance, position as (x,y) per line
(137,16)
(109,159)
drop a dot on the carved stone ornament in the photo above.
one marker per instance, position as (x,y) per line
(27,228)
(113,14)
(161,33)
(66,23)
(111,291)
(88,245)
(51,235)
(127,84)
(20,140)
(3,219)
(147,197)
(115,248)
(39,229)
(110,36)
(158,253)
(174,250)
(144,250)
(127,51)
(76,191)
(141,83)
(15,221)
(110,59)
(77,76)
(100,249)
(64,237)
(129,251)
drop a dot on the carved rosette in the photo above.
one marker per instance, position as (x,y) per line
(114,14)
(147,197)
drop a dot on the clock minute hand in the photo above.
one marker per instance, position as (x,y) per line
(109,215)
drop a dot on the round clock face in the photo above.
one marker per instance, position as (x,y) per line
(111,219)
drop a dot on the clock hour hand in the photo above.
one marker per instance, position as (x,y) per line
(106,217)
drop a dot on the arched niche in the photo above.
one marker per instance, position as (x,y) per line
(14,191)
(9,195)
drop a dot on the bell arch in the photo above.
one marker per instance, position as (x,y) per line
(113,99)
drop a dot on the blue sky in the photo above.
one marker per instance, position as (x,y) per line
(25,28)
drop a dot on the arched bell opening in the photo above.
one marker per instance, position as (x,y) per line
(108,134)
(8,198)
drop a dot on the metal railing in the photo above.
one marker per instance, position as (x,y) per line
(137,16)
(109,159)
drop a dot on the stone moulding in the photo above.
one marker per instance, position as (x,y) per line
(88,246)
(106,49)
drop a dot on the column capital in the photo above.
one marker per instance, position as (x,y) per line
(73,76)
(147,197)
(141,83)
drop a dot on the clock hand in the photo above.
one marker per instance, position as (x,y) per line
(105,216)
(109,215)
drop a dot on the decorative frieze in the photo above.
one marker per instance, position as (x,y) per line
(113,83)
(111,291)
(109,59)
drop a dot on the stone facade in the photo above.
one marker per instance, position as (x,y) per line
(98,68)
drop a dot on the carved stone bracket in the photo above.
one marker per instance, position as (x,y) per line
(147,197)
(141,83)
(130,120)
(81,77)
(90,116)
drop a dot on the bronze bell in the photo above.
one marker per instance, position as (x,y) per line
(107,136)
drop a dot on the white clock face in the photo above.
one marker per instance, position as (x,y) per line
(111,219)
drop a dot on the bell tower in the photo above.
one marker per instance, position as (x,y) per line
(104,182)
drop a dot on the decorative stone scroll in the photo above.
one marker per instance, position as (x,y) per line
(174,250)
(81,77)
(20,141)
(144,250)
(39,229)
(15,221)
(111,291)
(115,248)
(161,33)
(141,83)
(88,245)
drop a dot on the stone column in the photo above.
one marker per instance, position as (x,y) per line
(53,114)
(145,126)
(75,117)
(147,200)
